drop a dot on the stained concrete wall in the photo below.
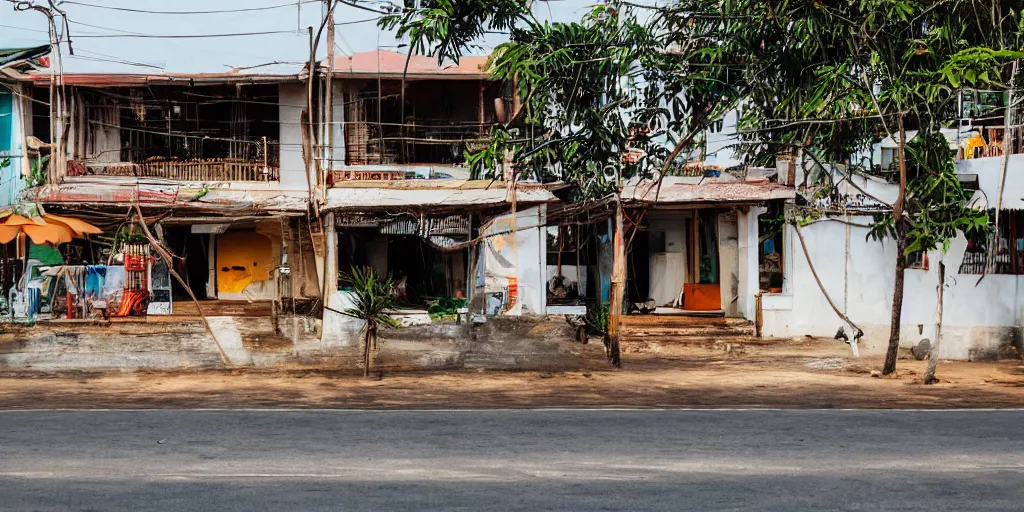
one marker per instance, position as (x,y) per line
(292,98)
(502,343)
(747,274)
(858,274)
(525,260)
(728,262)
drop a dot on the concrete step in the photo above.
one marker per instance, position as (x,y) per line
(665,331)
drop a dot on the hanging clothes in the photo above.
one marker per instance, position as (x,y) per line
(95,276)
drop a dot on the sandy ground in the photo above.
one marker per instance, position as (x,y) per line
(801,373)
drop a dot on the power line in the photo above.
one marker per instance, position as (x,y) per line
(222,11)
(171,44)
(26,29)
(27,97)
(354,22)
(189,36)
(354,3)
(103,57)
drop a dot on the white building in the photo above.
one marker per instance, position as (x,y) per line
(981,314)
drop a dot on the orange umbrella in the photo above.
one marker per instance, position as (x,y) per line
(55,234)
(51,229)
(80,227)
(21,220)
(8,233)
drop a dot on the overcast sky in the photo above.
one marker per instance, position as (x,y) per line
(96,32)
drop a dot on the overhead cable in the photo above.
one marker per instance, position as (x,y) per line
(219,11)
(190,36)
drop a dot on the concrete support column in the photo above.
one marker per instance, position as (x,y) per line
(331,258)
(747,271)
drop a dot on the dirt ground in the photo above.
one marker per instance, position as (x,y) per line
(801,373)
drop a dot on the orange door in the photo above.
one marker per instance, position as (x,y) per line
(243,257)
(703,292)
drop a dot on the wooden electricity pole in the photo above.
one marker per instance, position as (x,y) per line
(618,287)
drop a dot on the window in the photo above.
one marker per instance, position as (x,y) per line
(1007,248)
(918,260)
(6,122)
(771,227)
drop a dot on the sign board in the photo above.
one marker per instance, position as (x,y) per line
(209,229)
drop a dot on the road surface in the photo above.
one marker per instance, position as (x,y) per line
(528,460)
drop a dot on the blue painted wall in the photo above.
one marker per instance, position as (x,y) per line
(12,146)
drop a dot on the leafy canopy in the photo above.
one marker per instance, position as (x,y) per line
(833,78)
(603,99)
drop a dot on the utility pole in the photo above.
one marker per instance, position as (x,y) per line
(330,282)
(618,286)
(329,118)
(58,158)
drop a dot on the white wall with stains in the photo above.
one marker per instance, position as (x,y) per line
(292,97)
(858,274)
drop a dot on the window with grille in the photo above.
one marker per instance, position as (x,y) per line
(1002,252)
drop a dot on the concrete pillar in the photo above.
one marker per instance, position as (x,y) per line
(331,260)
(747,269)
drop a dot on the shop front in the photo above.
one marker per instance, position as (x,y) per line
(696,256)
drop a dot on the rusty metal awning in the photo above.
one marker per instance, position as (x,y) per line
(442,195)
(677,191)
(111,192)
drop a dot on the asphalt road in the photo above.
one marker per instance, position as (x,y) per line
(511,460)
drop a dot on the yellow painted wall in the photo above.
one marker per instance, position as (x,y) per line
(243,257)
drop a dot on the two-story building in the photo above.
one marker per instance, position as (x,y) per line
(213,162)
(400,199)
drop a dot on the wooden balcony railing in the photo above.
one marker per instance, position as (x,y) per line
(211,169)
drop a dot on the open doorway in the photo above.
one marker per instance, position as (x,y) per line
(422,273)
(194,265)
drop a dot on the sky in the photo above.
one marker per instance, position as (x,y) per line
(101,36)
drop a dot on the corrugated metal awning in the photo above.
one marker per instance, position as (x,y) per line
(124,192)
(393,198)
(673,191)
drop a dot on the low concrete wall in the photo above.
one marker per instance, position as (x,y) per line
(523,343)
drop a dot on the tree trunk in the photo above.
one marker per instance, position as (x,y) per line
(366,350)
(933,357)
(901,258)
(897,302)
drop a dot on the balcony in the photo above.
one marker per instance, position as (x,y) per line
(431,124)
(209,133)
(210,169)
(416,142)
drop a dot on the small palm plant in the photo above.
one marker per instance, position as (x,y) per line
(374,298)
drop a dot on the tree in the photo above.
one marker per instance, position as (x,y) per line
(597,102)
(824,80)
(829,79)
(374,299)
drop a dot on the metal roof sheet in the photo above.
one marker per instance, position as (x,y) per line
(383,198)
(390,63)
(119,191)
(682,190)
